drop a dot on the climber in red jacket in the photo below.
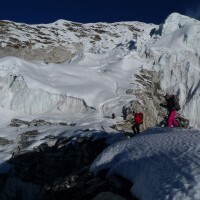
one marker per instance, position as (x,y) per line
(138,119)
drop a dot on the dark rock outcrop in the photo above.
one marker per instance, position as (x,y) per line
(60,171)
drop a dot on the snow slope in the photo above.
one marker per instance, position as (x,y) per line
(37,88)
(162,163)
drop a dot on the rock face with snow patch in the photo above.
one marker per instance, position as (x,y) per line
(62,39)
(148,99)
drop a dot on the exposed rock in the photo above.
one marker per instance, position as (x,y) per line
(54,54)
(60,41)
(37,122)
(4,141)
(148,101)
(17,122)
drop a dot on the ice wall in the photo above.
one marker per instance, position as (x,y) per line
(15,95)
(176,56)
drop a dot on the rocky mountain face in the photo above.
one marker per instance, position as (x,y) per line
(61,40)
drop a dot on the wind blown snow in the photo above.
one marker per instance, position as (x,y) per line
(162,163)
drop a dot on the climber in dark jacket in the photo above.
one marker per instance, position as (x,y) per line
(172,105)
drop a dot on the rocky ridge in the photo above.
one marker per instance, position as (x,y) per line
(61,40)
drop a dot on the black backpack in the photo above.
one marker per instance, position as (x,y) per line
(176,103)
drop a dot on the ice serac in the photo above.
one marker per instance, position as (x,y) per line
(17,96)
(176,21)
(31,101)
(175,54)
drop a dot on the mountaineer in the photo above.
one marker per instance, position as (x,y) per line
(138,120)
(172,105)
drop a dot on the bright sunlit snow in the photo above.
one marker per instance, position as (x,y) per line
(86,90)
(162,163)
(62,88)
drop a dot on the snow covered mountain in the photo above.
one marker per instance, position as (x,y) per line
(106,67)
(63,39)
(66,79)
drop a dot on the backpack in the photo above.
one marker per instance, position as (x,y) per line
(177,106)
(141,115)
